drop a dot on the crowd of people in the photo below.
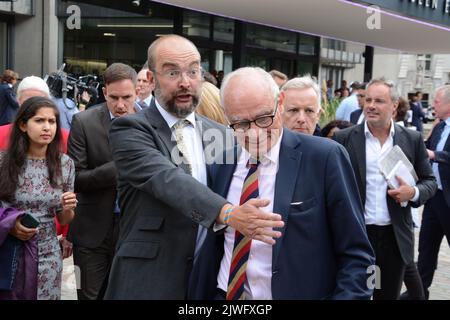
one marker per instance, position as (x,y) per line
(188,185)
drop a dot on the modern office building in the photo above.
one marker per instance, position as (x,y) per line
(331,39)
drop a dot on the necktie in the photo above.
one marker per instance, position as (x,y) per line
(143,104)
(179,126)
(241,248)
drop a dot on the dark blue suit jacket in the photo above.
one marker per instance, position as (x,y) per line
(442,158)
(8,104)
(354,116)
(324,252)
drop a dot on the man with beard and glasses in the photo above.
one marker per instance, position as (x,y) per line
(162,155)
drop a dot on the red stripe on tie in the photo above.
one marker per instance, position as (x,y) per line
(250,189)
(237,285)
(245,249)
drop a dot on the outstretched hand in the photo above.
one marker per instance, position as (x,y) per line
(252,222)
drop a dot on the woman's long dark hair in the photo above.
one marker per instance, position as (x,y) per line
(13,160)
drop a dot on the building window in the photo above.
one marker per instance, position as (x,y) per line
(306,45)
(109,35)
(196,24)
(3,44)
(263,37)
(223,29)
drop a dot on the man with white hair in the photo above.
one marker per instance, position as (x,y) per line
(436,217)
(31,86)
(324,252)
(301,104)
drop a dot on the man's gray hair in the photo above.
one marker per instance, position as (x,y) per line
(248,72)
(393,91)
(32,82)
(304,82)
(446,91)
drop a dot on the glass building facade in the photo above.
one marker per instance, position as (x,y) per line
(117,31)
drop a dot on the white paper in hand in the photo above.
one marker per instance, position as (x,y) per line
(402,171)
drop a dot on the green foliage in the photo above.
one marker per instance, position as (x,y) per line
(329,111)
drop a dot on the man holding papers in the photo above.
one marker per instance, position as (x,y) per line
(389,225)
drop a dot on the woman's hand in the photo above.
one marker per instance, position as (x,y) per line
(21,232)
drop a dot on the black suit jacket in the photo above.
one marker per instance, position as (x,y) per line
(95,178)
(354,116)
(411,143)
(161,205)
(442,158)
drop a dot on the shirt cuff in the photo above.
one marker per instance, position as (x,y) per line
(416,195)
(219,227)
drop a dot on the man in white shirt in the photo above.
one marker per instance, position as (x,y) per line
(389,225)
(324,251)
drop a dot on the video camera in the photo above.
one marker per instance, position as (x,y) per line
(62,85)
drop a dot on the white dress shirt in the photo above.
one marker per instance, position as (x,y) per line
(376,209)
(193,141)
(259,267)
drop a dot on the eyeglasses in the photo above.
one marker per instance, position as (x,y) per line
(261,122)
(176,74)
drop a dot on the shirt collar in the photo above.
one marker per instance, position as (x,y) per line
(447,122)
(368,134)
(171,119)
(147,100)
(271,157)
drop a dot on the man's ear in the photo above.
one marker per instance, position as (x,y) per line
(281,97)
(151,79)
(319,112)
(105,91)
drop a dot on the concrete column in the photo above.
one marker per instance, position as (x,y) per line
(35,40)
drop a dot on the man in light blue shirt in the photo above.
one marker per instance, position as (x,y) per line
(436,214)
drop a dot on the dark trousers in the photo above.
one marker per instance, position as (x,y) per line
(389,261)
(413,283)
(435,224)
(94,264)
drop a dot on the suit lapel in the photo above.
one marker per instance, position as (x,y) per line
(105,119)
(286,181)
(223,173)
(162,128)
(401,141)
(358,153)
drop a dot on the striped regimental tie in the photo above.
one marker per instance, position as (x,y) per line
(241,249)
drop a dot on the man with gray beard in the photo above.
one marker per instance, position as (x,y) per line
(162,156)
